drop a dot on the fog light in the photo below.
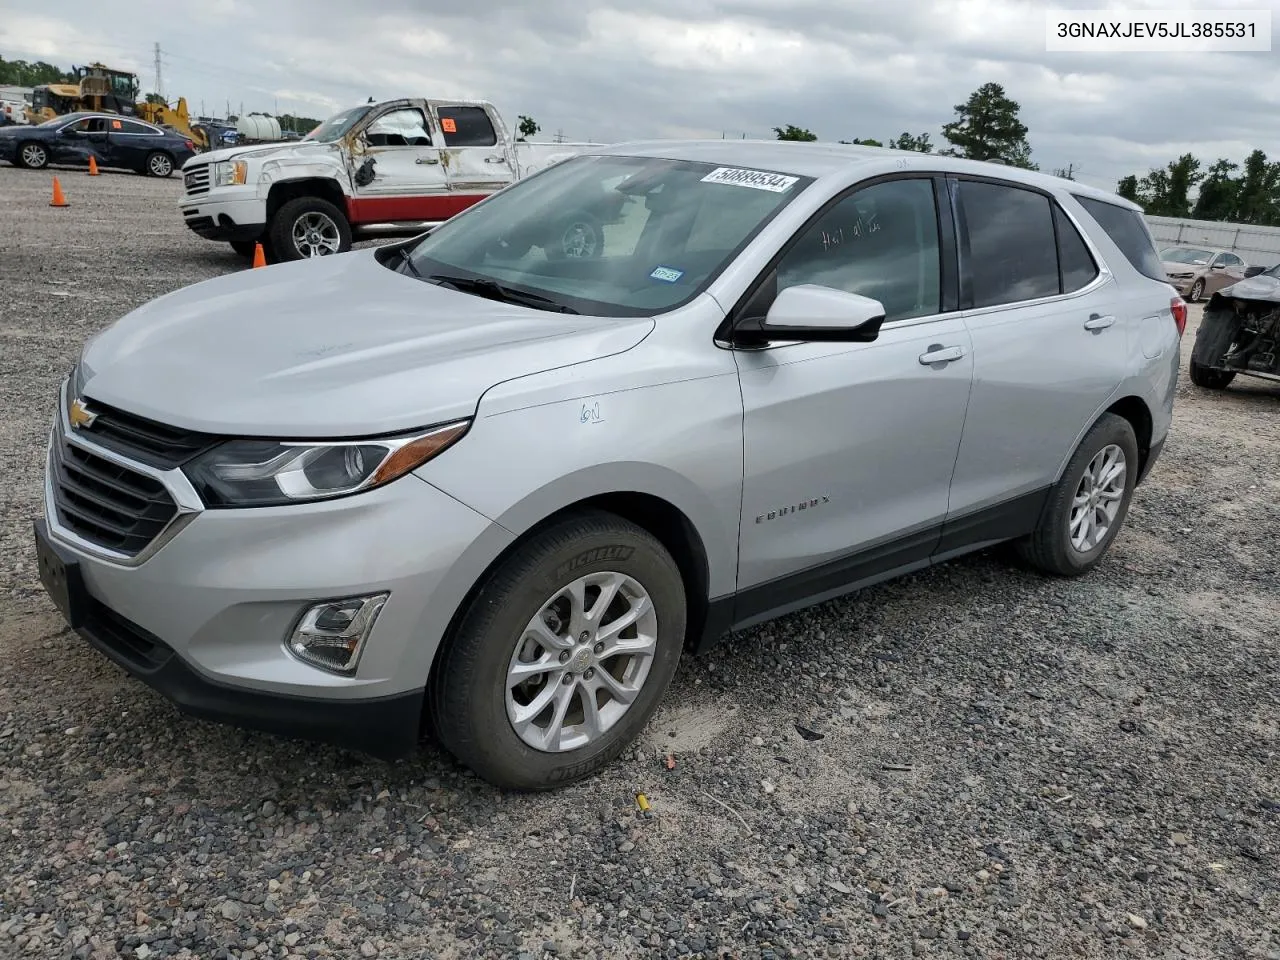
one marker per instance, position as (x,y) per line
(331,635)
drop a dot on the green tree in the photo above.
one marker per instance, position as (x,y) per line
(21,73)
(792,132)
(1259,191)
(1128,188)
(1218,194)
(987,128)
(155,98)
(1167,191)
(906,141)
(861,143)
(528,127)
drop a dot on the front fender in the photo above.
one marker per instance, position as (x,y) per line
(289,169)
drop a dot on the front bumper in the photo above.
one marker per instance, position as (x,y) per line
(205,618)
(226,220)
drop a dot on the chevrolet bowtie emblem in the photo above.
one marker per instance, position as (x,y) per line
(80,415)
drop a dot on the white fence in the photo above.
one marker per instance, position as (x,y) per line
(1255,245)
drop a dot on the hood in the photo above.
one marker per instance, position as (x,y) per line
(1254,288)
(1173,266)
(331,347)
(265,150)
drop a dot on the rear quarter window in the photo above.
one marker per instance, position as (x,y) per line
(1129,232)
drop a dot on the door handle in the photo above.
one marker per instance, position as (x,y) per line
(495,159)
(427,160)
(1099,322)
(937,353)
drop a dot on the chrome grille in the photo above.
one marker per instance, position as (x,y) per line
(196,179)
(104,503)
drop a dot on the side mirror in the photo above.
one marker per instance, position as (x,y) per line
(819,314)
(1253,271)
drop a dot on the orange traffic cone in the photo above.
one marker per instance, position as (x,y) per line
(259,258)
(93,165)
(58,199)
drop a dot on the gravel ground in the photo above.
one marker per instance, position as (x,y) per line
(973,761)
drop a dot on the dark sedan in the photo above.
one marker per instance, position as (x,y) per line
(114,140)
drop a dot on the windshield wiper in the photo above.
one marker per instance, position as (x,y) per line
(497,291)
(406,260)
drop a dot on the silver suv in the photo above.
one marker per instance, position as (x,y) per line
(473,484)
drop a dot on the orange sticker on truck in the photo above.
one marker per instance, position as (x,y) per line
(448,125)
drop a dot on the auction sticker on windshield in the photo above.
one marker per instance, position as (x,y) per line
(756,179)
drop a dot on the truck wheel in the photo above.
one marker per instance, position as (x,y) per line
(576,237)
(309,227)
(563,656)
(1210,378)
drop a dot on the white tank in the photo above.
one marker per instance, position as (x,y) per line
(258,128)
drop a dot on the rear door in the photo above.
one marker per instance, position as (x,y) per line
(1050,348)
(409,182)
(474,152)
(131,141)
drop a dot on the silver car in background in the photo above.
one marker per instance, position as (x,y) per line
(455,482)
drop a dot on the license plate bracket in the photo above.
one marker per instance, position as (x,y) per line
(60,575)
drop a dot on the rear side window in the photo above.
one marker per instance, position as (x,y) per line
(133,126)
(1013,250)
(1078,268)
(466,127)
(1129,232)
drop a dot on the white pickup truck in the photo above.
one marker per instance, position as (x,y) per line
(392,168)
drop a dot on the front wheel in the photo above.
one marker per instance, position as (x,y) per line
(563,656)
(1197,291)
(1208,377)
(159,164)
(308,227)
(1088,505)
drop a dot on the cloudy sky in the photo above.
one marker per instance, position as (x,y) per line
(609,70)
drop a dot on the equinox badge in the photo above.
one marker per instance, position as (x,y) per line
(792,508)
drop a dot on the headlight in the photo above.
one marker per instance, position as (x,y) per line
(262,473)
(230,173)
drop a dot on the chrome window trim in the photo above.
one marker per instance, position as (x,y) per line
(174,481)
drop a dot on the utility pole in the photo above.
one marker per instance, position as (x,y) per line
(559,136)
(159,77)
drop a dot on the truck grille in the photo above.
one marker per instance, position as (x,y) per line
(196,180)
(106,504)
(155,444)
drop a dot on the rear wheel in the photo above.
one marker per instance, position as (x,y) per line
(563,656)
(159,164)
(308,227)
(33,156)
(1088,505)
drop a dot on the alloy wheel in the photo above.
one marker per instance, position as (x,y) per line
(1098,498)
(316,235)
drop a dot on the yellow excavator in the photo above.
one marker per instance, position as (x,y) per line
(101,88)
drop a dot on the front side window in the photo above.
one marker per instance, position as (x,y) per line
(881,242)
(91,125)
(466,127)
(1012,252)
(399,128)
(612,236)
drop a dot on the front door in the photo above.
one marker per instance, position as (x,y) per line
(409,181)
(75,143)
(476,158)
(1225,270)
(1050,341)
(849,448)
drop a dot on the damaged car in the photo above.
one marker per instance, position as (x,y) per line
(1239,333)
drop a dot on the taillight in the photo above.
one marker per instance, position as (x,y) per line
(1179,308)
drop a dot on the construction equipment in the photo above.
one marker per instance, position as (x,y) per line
(104,89)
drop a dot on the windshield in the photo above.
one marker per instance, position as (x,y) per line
(337,125)
(1185,255)
(58,121)
(610,236)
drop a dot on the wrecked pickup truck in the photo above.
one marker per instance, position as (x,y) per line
(1239,333)
(393,168)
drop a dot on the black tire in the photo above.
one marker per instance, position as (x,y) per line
(158,164)
(1208,377)
(467,694)
(33,156)
(579,236)
(245,248)
(1197,291)
(1049,548)
(281,229)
